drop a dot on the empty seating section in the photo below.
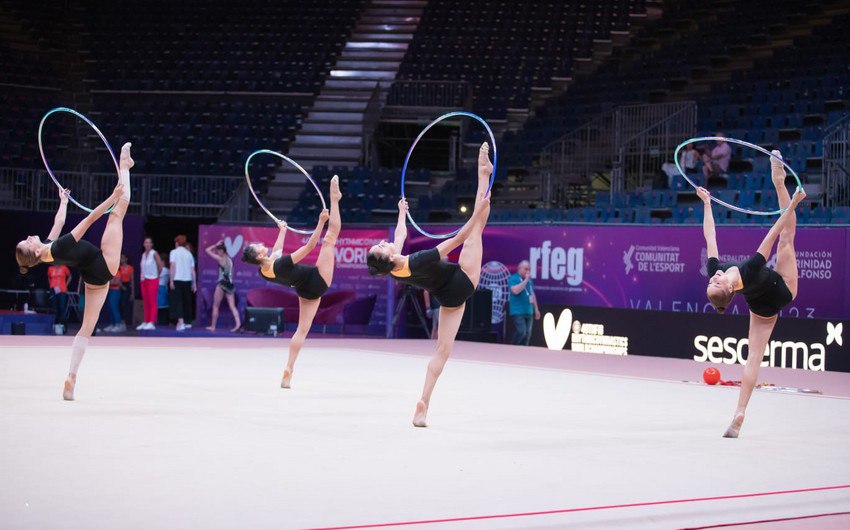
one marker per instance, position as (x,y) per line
(196,88)
(505,48)
(689,41)
(367,191)
(197,136)
(254,46)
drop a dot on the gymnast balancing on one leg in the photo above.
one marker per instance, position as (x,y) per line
(450,283)
(766,291)
(310,282)
(96,265)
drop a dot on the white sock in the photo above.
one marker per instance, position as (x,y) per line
(78,349)
(125,179)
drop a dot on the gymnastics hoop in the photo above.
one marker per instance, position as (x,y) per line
(47,166)
(413,146)
(745,144)
(298,167)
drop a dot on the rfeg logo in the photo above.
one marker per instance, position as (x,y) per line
(557,263)
(784,354)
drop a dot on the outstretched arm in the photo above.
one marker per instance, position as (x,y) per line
(401,226)
(59,220)
(708,224)
(281,236)
(302,252)
(79,231)
(780,224)
(481,211)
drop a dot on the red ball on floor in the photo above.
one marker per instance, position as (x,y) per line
(711,376)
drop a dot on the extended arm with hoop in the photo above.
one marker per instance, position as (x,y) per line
(61,213)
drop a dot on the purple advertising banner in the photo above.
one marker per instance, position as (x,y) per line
(351,281)
(653,267)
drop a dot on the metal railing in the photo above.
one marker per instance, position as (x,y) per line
(836,160)
(173,195)
(645,137)
(629,143)
(407,97)
(371,117)
(237,209)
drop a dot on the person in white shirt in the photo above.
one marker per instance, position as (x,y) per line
(149,269)
(183,282)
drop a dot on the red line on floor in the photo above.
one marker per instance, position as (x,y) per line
(763,521)
(584,509)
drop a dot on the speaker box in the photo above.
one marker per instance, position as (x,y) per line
(478,312)
(267,320)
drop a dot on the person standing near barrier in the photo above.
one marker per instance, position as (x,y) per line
(183,282)
(522,304)
(149,271)
(128,291)
(59,277)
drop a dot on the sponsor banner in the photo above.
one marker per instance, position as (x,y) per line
(654,267)
(349,274)
(805,344)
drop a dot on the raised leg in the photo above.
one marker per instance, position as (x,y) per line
(307,310)
(326,260)
(217,297)
(786,256)
(231,301)
(113,234)
(472,251)
(760,331)
(450,318)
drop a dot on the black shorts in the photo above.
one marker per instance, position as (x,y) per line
(457,291)
(96,272)
(312,285)
(771,303)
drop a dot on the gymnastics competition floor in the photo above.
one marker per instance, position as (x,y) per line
(197,433)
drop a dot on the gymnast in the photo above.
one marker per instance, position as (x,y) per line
(766,291)
(96,265)
(450,283)
(310,282)
(224,287)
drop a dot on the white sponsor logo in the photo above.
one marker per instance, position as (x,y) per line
(785,354)
(556,335)
(586,337)
(350,255)
(653,258)
(627,259)
(557,263)
(833,333)
(233,246)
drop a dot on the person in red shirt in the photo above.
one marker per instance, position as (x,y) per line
(113,302)
(59,277)
(128,291)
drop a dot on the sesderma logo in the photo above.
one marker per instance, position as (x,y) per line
(783,354)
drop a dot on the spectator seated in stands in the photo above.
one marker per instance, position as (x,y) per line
(716,161)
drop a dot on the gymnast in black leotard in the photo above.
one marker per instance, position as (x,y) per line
(310,282)
(451,283)
(96,265)
(766,291)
